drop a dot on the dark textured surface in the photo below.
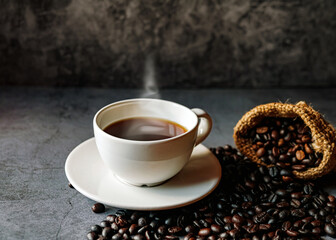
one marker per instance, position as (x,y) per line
(245,43)
(40,126)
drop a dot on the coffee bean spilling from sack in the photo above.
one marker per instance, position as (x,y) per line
(286,143)
(250,203)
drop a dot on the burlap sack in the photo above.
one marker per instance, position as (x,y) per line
(323,134)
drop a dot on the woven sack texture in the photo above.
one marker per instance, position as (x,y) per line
(323,134)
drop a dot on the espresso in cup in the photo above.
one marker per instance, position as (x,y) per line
(144,129)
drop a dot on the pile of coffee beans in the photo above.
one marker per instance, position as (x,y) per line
(285,142)
(250,202)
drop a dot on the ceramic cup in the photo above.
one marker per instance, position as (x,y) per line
(149,163)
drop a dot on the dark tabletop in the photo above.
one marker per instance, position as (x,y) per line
(40,126)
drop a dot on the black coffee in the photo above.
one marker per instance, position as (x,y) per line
(144,129)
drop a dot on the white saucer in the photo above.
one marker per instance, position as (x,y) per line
(87,173)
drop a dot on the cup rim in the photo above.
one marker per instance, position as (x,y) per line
(138,141)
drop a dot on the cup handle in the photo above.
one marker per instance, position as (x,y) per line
(204,126)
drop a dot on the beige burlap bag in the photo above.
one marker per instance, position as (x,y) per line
(323,134)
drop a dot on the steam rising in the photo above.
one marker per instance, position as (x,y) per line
(151,89)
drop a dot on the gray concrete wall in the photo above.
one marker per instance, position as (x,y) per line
(231,43)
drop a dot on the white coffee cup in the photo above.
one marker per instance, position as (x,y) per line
(148,163)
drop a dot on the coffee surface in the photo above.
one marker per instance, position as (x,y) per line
(144,129)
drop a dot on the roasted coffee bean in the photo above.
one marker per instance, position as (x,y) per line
(189,229)
(70,186)
(307,219)
(275,151)
(283,214)
(267,179)
(261,152)
(292,233)
(316,223)
(204,223)
(323,213)
(264,227)
(273,171)
(174,230)
(273,198)
(228,219)
(105,224)
(212,237)
(92,236)
(298,224)
(330,230)
(197,224)
(271,221)
(281,142)
(275,134)
(287,179)
(98,208)
(331,204)
(123,230)
(233,233)
(96,228)
(148,235)
(121,212)
(162,230)
(306,138)
(296,195)
(331,198)
(121,221)
(252,228)
(107,232)
(285,172)
(114,226)
(333,222)
(286,225)
(154,224)
(116,236)
(298,212)
(137,237)
(262,130)
(299,167)
(102,238)
(295,203)
(142,222)
(189,236)
(307,162)
(308,189)
(238,219)
(110,218)
(261,217)
(143,229)
(170,221)
(281,192)
(316,231)
(308,149)
(300,155)
(133,228)
(228,227)
(134,216)
(204,232)
(171,237)
(288,137)
(216,228)
(282,204)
